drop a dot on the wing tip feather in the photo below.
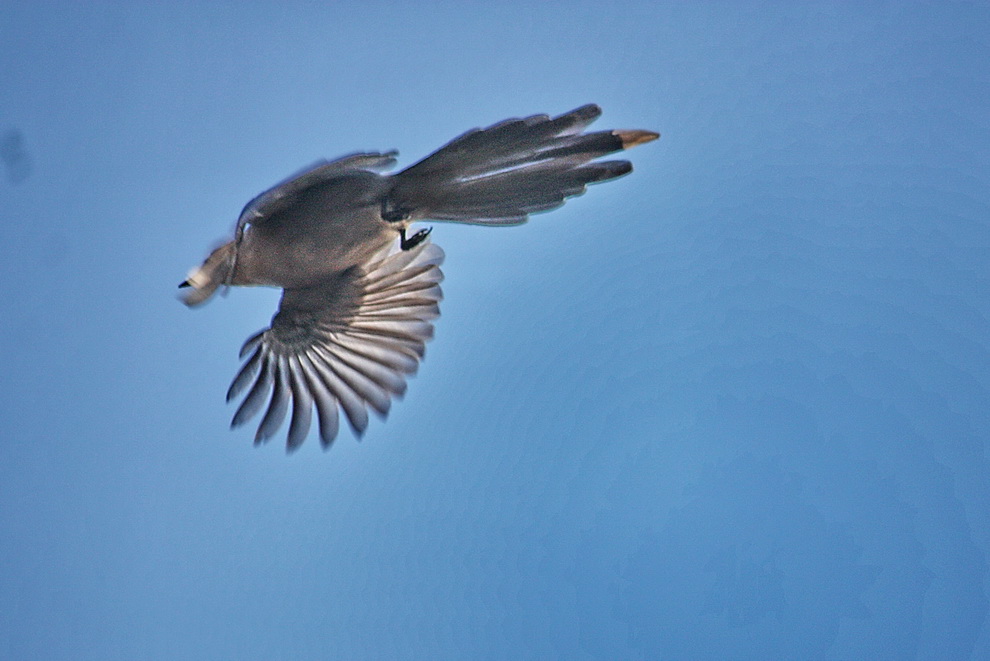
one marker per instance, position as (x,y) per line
(633,137)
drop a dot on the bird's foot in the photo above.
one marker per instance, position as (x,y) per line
(414,240)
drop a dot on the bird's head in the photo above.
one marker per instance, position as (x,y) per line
(203,281)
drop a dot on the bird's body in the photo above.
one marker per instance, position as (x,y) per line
(301,244)
(356,310)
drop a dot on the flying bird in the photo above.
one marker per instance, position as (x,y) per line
(359,293)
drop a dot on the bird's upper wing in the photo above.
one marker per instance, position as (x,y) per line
(283,193)
(349,342)
(501,174)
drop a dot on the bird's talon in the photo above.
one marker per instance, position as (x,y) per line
(414,240)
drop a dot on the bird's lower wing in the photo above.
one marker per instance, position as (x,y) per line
(347,344)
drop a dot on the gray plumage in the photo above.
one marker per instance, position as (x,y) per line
(357,306)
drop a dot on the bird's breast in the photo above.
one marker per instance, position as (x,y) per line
(302,253)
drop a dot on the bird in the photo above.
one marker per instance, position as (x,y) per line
(359,293)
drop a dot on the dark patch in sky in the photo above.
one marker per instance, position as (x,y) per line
(14,156)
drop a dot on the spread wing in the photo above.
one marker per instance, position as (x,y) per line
(345,344)
(501,174)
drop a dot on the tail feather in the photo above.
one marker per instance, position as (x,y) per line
(500,174)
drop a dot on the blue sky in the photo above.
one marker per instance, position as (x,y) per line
(732,406)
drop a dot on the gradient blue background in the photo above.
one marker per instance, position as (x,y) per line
(733,406)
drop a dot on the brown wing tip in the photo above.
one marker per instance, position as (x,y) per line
(635,137)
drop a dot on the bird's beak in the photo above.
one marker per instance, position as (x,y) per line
(184,283)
